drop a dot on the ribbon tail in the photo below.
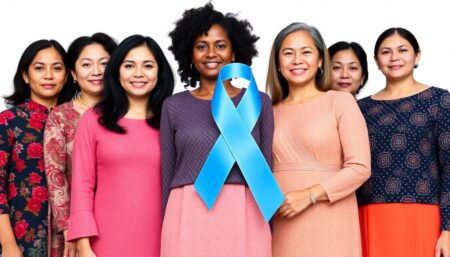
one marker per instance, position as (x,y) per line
(214,173)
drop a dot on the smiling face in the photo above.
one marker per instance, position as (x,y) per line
(346,72)
(139,72)
(396,58)
(299,59)
(211,52)
(89,69)
(46,75)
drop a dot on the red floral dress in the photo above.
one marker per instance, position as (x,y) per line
(58,142)
(23,186)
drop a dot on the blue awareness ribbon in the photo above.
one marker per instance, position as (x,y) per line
(236,144)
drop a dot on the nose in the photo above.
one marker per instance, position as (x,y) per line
(49,73)
(344,72)
(211,52)
(298,58)
(96,70)
(394,56)
(138,73)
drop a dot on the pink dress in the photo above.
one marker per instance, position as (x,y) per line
(116,188)
(322,141)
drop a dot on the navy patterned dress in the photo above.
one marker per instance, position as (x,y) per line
(23,186)
(410,150)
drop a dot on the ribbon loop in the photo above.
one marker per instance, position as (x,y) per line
(236,144)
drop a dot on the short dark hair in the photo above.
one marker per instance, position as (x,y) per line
(22,90)
(196,22)
(404,33)
(358,50)
(78,45)
(114,103)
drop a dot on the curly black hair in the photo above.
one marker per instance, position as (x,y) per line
(196,22)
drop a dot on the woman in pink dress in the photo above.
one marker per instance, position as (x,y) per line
(87,59)
(116,179)
(320,150)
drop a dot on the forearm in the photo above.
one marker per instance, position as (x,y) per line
(6,231)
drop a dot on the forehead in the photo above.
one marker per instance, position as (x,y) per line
(296,39)
(140,53)
(47,55)
(346,55)
(395,40)
(92,50)
(215,33)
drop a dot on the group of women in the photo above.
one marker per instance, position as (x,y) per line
(98,158)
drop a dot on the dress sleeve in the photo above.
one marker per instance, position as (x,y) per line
(168,152)
(84,176)
(5,160)
(354,139)
(55,171)
(267,127)
(442,133)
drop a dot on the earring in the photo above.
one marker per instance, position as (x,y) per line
(416,65)
(74,81)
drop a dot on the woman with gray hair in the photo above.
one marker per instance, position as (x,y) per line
(321,150)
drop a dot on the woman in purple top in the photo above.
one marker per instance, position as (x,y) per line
(203,41)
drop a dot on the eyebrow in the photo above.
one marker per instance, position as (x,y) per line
(135,62)
(291,48)
(344,63)
(41,63)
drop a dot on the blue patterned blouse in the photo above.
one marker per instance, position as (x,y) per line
(410,147)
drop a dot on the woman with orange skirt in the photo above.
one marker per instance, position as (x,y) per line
(404,206)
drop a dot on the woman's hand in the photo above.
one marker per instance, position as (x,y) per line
(84,248)
(70,248)
(443,245)
(11,250)
(294,203)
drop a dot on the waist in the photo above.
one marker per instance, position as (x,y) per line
(306,166)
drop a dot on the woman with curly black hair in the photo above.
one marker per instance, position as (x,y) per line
(203,41)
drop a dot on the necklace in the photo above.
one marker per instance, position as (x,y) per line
(82,102)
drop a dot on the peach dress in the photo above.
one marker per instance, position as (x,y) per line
(323,141)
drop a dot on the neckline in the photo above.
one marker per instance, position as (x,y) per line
(206,100)
(401,98)
(310,101)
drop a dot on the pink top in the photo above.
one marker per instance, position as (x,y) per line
(116,188)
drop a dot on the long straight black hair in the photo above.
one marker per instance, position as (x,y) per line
(22,90)
(114,103)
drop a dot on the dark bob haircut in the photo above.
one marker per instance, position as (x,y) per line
(358,51)
(404,33)
(114,103)
(78,45)
(196,22)
(22,90)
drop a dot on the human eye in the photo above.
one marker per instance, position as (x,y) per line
(385,51)
(128,66)
(221,46)
(148,66)
(288,53)
(307,52)
(104,63)
(86,65)
(354,68)
(336,68)
(39,68)
(403,50)
(58,68)
(200,47)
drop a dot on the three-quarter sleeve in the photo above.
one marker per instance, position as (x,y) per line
(354,139)
(5,160)
(168,152)
(82,221)
(442,134)
(267,127)
(55,171)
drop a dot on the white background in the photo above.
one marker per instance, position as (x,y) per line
(25,21)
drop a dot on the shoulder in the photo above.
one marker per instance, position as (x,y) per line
(62,108)
(265,99)
(178,97)
(340,98)
(8,115)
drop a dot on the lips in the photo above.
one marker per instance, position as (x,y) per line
(97,82)
(298,71)
(211,65)
(138,84)
(395,67)
(48,85)
(344,84)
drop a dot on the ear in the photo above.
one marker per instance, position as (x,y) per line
(233,58)
(25,77)
(321,63)
(74,75)
(417,58)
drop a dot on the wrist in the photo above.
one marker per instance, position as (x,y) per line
(312,196)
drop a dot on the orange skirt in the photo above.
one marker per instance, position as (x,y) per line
(399,229)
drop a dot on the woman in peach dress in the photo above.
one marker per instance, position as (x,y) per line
(320,149)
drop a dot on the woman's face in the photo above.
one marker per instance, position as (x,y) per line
(211,52)
(346,71)
(139,72)
(299,59)
(89,69)
(46,75)
(396,58)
